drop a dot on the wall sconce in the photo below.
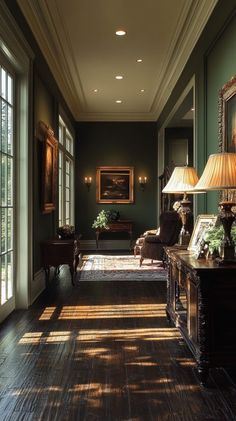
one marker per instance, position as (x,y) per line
(88,182)
(142,181)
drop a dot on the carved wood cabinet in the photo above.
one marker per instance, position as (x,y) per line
(58,252)
(201,302)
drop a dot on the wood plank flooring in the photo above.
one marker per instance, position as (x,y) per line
(103,351)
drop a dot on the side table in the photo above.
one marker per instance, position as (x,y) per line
(57,252)
(117,226)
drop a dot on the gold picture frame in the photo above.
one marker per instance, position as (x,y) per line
(227,116)
(227,125)
(115,184)
(49,169)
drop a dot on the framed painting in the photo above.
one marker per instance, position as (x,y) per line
(203,222)
(49,170)
(227,126)
(227,116)
(115,185)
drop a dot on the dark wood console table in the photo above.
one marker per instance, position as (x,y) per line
(201,302)
(59,252)
(117,226)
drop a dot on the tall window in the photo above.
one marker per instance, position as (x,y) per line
(6,184)
(66,172)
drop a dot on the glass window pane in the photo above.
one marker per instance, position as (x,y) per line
(3,84)
(60,134)
(4,126)
(10,131)
(67,210)
(67,166)
(3,230)
(4,180)
(10,89)
(9,182)
(10,229)
(6,185)
(65,173)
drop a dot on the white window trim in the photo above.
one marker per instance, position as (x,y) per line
(19,54)
(62,148)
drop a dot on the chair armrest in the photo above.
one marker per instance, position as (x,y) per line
(152,239)
(150,232)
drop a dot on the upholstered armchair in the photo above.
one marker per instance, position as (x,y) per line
(139,242)
(152,246)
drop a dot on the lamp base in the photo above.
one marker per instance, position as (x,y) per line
(184,239)
(227,218)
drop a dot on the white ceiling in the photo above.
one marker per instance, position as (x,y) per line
(77,38)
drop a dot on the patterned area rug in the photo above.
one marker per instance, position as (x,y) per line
(119,268)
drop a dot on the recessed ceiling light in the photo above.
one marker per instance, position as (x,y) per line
(142,90)
(118,101)
(192,109)
(119,77)
(139,60)
(120,32)
(95,90)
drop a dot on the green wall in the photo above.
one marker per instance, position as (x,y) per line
(46,100)
(212,62)
(220,67)
(116,144)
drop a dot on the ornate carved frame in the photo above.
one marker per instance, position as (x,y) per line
(227,129)
(115,185)
(226,95)
(49,169)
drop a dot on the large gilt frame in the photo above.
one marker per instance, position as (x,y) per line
(115,184)
(49,169)
(227,125)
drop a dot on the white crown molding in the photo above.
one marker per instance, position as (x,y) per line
(116,117)
(39,20)
(193,19)
(198,15)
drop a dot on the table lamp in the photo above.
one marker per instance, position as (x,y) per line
(220,174)
(182,181)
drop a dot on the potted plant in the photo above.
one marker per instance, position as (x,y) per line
(102,220)
(104,217)
(213,237)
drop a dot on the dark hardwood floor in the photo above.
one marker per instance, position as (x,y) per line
(103,351)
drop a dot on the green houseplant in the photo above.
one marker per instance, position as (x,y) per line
(102,220)
(214,235)
(104,217)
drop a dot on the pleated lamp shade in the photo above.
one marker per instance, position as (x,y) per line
(182,180)
(219,173)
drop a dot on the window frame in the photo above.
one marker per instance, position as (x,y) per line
(65,155)
(13,105)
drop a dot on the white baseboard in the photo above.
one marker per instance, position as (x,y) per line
(105,245)
(37,285)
